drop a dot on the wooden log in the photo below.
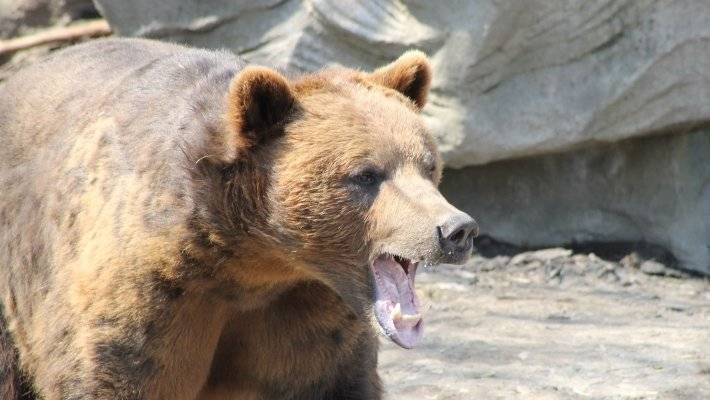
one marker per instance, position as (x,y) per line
(76,31)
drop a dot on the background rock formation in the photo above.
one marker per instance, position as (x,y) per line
(18,17)
(516,82)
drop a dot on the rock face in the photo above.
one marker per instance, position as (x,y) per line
(655,189)
(17,17)
(515,80)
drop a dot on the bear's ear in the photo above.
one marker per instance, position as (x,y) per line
(410,75)
(259,102)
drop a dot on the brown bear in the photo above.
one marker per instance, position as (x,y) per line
(175,224)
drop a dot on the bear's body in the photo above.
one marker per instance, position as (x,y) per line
(158,242)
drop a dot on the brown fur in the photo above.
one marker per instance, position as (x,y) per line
(176,225)
(257,102)
(12,384)
(409,75)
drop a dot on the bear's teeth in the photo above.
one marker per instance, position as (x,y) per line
(411,317)
(396,313)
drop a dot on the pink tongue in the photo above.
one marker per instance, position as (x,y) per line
(394,286)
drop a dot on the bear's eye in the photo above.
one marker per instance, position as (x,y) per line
(367,177)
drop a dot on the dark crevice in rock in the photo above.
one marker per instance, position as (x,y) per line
(489,247)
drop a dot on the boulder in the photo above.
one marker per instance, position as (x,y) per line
(513,78)
(653,190)
(18,17)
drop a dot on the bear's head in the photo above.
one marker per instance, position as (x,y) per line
(337,174)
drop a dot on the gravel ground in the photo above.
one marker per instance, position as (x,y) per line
(552,325)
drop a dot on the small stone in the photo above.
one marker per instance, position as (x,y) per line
(551,254)
(520,259)
(466,274)
(558,318)
(651,267)
(674,273)
(494,263)
(676,307)
(630,261)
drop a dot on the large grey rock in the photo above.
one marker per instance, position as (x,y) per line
(655,190)
(18,17)
(513,77)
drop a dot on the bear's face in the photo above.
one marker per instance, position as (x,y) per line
(352,184)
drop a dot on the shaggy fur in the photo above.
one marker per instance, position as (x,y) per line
(177,225)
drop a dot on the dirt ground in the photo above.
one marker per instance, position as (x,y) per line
(553,325)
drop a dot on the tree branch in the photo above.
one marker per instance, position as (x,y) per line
(93,28)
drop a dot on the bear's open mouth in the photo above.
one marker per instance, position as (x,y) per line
(396,302)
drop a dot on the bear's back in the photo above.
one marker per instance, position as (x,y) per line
(93,161)
(129,79)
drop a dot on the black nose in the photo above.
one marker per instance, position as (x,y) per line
(456,236)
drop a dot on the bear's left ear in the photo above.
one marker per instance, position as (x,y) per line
(259,102)
(410,75)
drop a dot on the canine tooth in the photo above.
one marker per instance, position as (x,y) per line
(396,313)
(411,317)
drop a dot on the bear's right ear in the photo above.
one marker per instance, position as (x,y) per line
(259,102)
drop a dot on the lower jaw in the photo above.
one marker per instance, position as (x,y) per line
(396,305)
